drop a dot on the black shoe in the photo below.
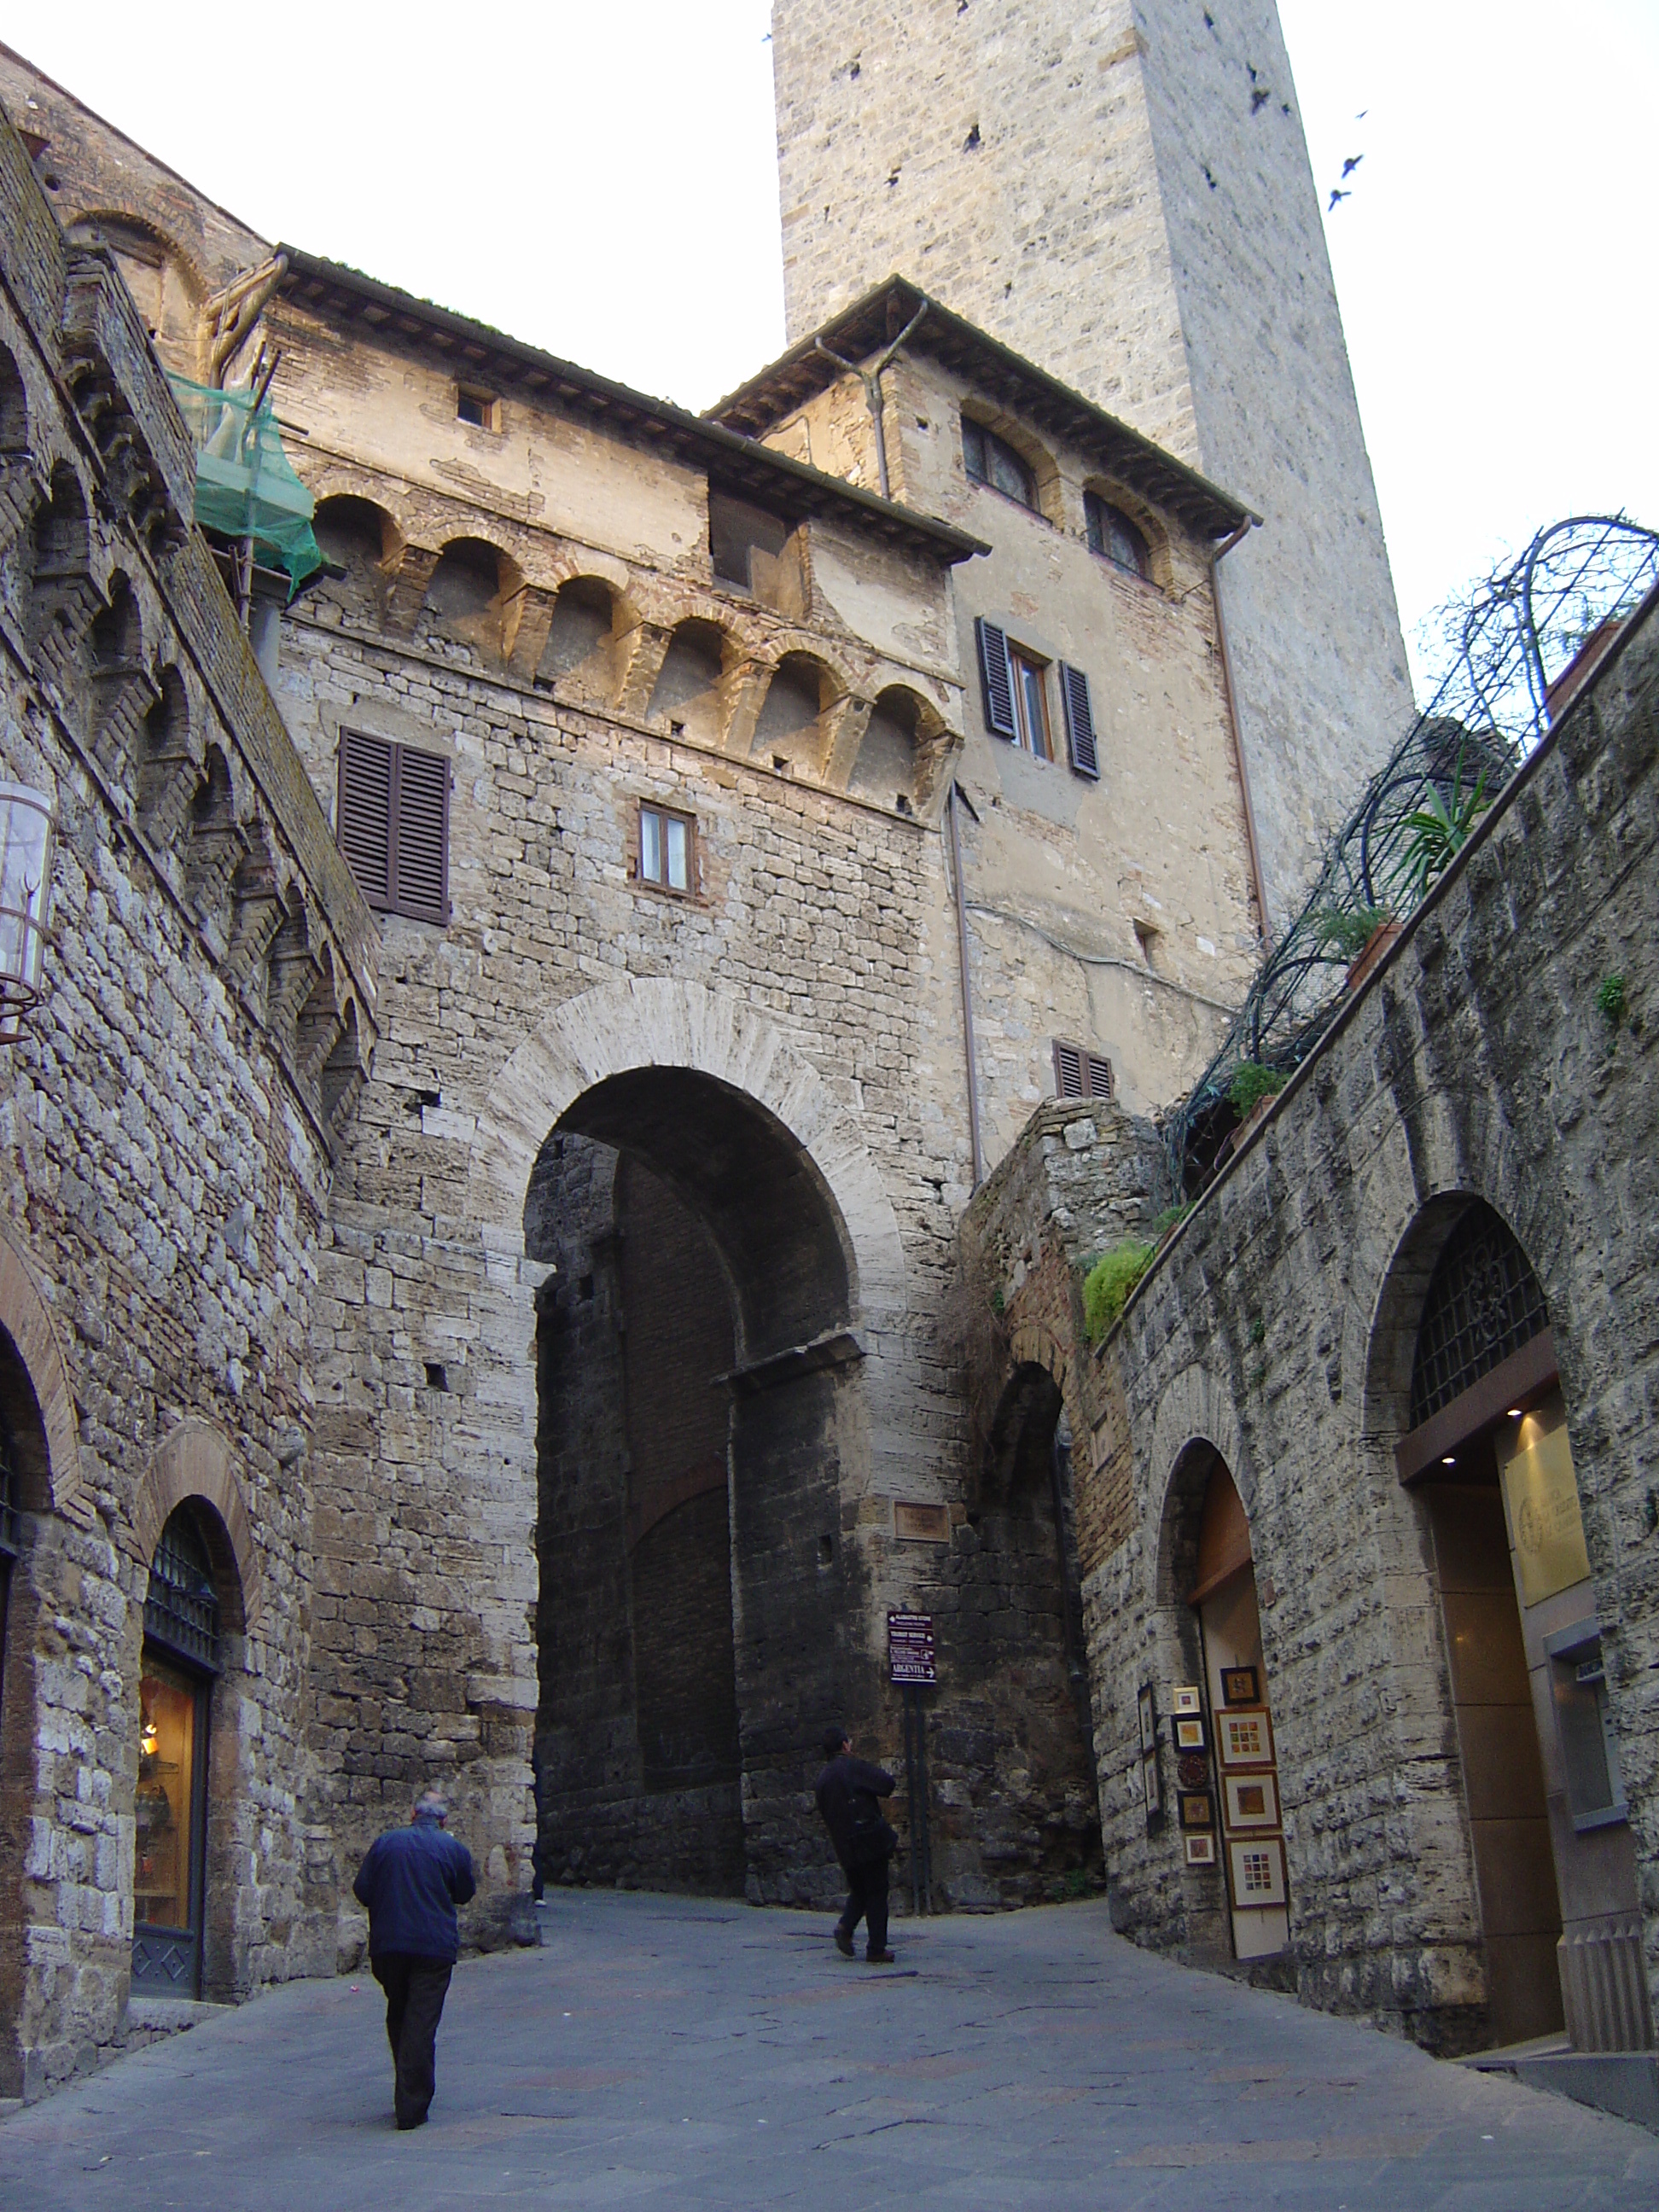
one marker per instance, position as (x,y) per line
(843,1943)
(879,1958)
(419,2121)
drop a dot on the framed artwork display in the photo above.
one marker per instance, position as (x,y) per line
(1188,1735)
(1245,1738)
(1238,1686)
(1185,1700)
(1257,1866)
(1193,1771)
(1196,1811)
(1200,1850)
(1148,1711)
(1251,1801)
(1151,1786)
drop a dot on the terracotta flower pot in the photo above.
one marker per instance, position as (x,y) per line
(1374,947)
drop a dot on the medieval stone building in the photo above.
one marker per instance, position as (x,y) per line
(534,981)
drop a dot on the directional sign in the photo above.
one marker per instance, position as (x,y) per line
(910,1647)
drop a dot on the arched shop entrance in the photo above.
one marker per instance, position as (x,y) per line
(180,1660)
(1248,1816)
(1488,1456)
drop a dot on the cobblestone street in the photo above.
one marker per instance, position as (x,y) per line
(667,2050)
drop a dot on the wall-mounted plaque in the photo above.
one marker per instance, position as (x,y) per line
(920,1524)
(1188,1735)
(1238,1686)
(1251,1801)
(1148,1711)
(1200,1850)
(1540,1498)
(1257,1866)
(1185,1700)
(1194,1809)
(1245,1738)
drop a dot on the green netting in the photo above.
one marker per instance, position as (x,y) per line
(245,487)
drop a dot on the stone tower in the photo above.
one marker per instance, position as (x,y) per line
(1120,190)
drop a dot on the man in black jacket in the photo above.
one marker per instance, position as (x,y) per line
(411,1882)
(847,1793)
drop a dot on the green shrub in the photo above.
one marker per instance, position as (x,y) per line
(1251,1083)
(1349,933)
(1612,1002)
(1107,1285)
(1171,1217)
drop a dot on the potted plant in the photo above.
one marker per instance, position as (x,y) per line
(1361,935)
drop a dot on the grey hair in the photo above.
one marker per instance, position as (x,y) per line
(433,1802)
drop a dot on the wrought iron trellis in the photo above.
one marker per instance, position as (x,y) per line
(1513,650)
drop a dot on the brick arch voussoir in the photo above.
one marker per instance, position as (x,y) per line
(1196,1407)
(660,1022)
(195,1460)
(28,1320)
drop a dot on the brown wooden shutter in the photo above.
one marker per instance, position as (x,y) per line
(996,677)
(1079,721)
(1068,1070)
(363,814)
(1097,1075)
(419,835)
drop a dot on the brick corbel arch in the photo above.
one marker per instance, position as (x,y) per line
(26,1320)
(195,1461)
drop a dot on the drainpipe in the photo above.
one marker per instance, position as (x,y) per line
(975,1144)
(871,379)
(1217,554)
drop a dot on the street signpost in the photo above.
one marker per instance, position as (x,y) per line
(911,1664)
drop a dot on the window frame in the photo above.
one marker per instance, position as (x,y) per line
(435,916)
(1094,1073)
(488,406)
(1025,666)
(992,441)
(1095,506)
(693,856)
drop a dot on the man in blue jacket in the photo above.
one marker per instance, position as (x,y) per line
(411,1882)
(847,1793)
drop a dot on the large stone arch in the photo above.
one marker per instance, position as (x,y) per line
(26,1319)
(195,1461)
(641,1023)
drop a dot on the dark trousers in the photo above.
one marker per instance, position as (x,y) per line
(415,1992)
(866,1900)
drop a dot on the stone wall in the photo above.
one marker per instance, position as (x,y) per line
(1122,194)
(169,1114)
(1277,1328)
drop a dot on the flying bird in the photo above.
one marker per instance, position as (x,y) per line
(1337,193)
(1351,164)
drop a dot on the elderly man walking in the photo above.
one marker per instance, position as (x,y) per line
(847,1793)
(411,1882)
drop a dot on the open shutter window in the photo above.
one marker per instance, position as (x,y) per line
(996,678)
(363,815)
(1068,1071)
(421,835)
(1079,720)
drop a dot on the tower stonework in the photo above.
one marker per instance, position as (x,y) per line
(1122,193)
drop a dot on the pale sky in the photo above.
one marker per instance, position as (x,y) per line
(600,181)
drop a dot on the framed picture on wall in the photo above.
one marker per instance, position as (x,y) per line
(1185,1700)
(1245,1738)
(1238,1686)
(1148,1711)
(1188,1735)
(1257,1866)
(1251,1801)
(1195,1808)
(1151,1786)
(1200,1850)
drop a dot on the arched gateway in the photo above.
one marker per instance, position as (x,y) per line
(721,1262)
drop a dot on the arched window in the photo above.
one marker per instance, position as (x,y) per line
(180,1657)
(1114,536)
(992,460)
(1483,1303)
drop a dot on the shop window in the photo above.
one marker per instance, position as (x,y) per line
(992,460)
(393,825)
(667,852)
(1080,1073)
(1114,536)
(180,1658)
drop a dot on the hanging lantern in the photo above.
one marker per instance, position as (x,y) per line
(26,831)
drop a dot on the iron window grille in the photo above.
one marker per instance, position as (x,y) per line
(1080,1073)
(181,1607)
(1483,1303)
(393,825)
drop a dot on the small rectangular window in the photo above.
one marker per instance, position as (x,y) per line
(667,857)
(477,409)
(1031,704)
(391,822)
(1080,1073)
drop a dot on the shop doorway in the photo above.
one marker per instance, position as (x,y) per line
(179,1661)
(1246,1802)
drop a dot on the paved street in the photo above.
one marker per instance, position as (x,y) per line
(658,2050)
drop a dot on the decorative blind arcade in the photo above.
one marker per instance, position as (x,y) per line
(181,1608)
(394,820)
(997,679)
(1484,1303)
